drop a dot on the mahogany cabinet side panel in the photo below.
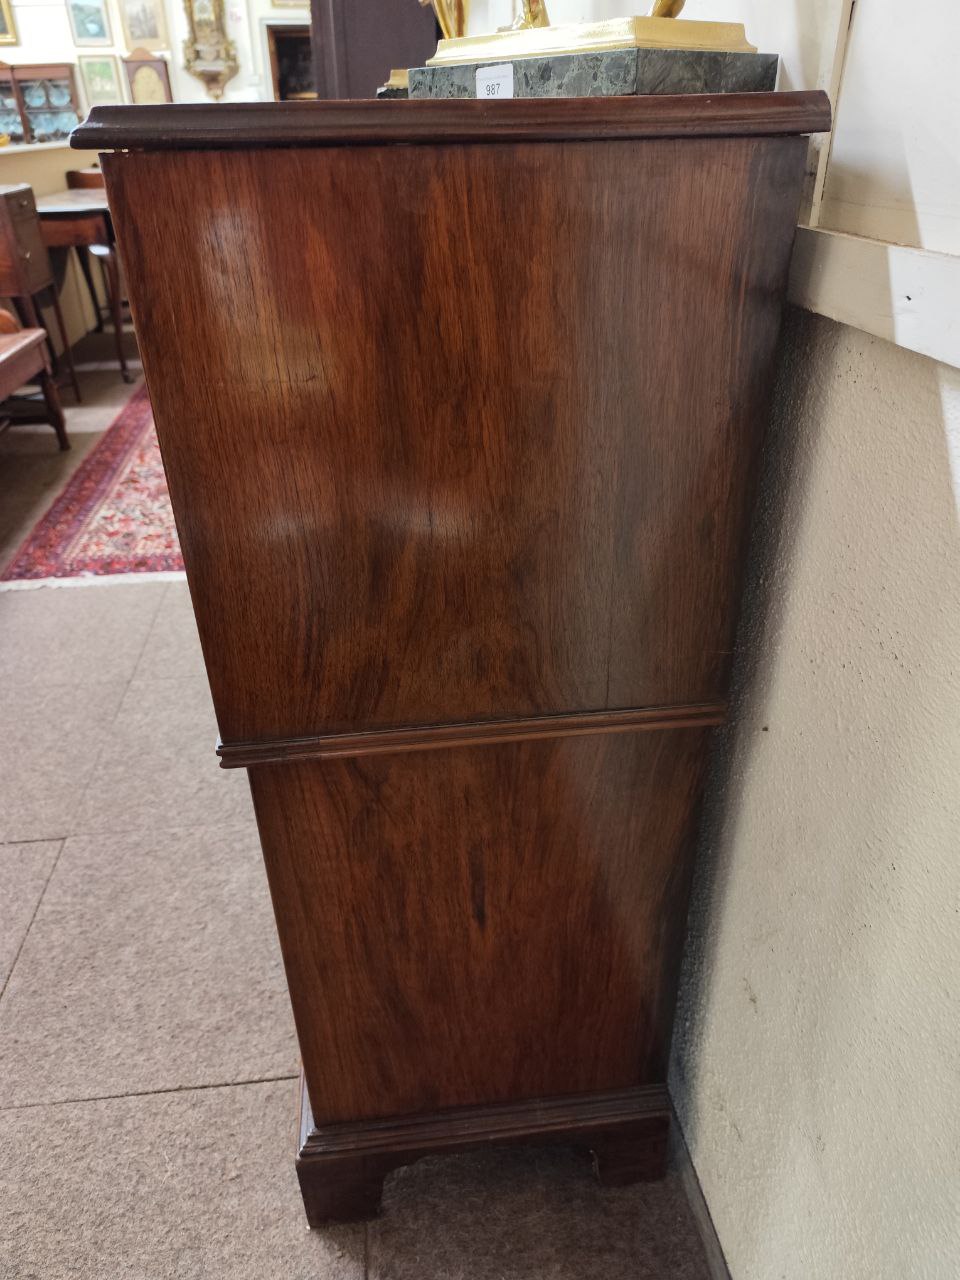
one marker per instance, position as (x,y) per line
(482,924)
(459,432)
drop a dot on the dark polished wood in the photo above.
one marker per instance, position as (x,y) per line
(460,441)
(355,46)
(565,862)
(241,125)
(535,542)
(68,231)
(89,179)
(342,1167)
(432,737)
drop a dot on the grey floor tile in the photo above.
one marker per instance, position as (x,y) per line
(152,963)
(24,869)
(172,651)
(186,1186)
(32,472)
(159,768)
(75,635)
(530,1213)
(52,736)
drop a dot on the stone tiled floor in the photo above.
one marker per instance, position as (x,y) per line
(147,1058)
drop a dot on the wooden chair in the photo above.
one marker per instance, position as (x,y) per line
(24,358)
(26,272)
(106,255)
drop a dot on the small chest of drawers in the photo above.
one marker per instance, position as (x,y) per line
(24,262)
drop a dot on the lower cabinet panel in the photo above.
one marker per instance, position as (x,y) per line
(484,923)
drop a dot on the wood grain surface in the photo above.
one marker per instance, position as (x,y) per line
(438,737)
(463,433)
(461,441)
(341,1167)
(503,924)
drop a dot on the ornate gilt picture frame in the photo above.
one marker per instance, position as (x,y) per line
(148,77)
(144,24)
(8,27)
(208,52)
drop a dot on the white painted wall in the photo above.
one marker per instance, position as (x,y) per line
(245,19)
(45,36)
(817,1058)
(894,170)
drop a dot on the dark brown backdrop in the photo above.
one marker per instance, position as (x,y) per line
(357,42)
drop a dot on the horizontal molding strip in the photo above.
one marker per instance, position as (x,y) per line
(458,1127)
(189,126)
(908,296)
(339,746)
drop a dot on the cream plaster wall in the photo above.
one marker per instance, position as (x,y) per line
(817,1057)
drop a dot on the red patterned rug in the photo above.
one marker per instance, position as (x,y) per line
(114,516)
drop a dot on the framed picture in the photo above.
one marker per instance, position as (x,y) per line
(8,28)
(144,24)
(89,22)
(148,77)
(208,52)
(101,79)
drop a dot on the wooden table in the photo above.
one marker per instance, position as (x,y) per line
(80,219)
(73,217)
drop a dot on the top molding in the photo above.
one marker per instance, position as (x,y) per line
(243,125)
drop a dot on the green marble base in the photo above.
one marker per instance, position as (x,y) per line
(613,73)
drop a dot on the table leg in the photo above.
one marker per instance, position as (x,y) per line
(112,276)
(83,257)
(67,353)
(54,408)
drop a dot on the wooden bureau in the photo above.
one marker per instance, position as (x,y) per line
(460,418)
(24,263)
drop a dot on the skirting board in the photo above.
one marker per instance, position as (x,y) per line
(909,296)
(680,1161)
